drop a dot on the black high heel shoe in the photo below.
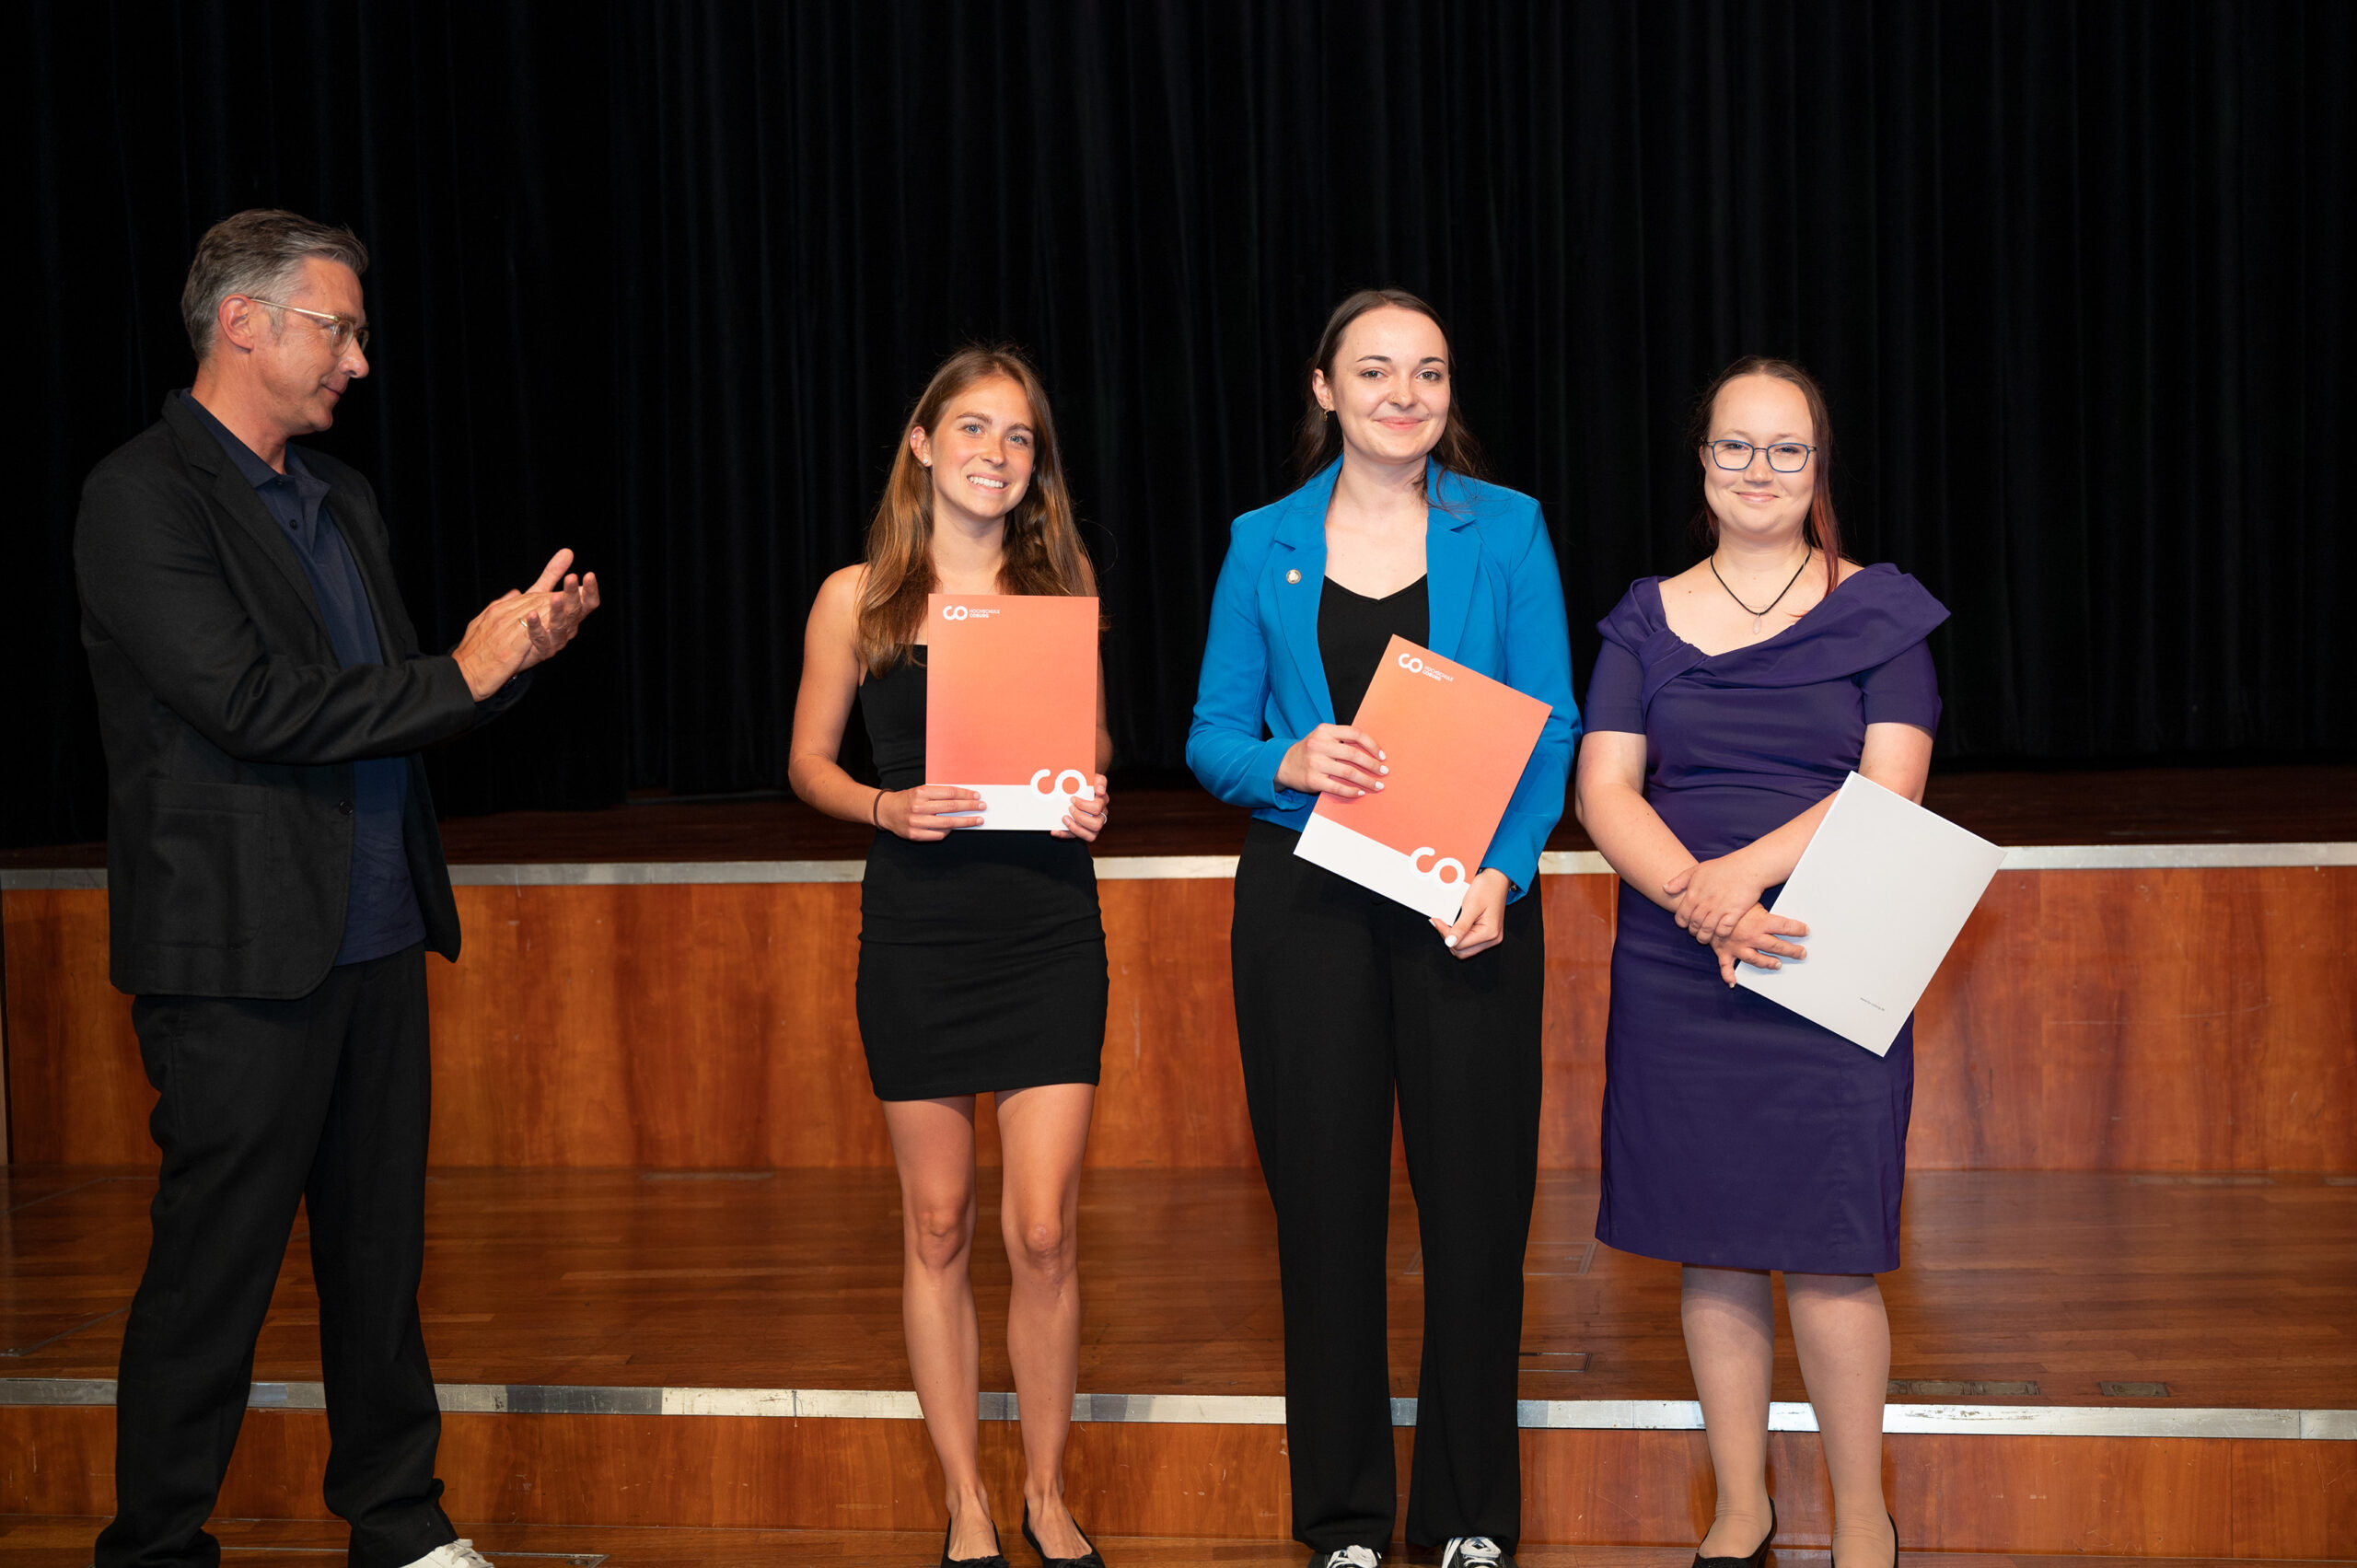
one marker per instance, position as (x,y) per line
(1758,1553)
(997,1558)
(1088,1560)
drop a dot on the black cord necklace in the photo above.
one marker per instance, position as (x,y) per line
(1806,556)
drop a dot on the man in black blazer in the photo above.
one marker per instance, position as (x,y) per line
(275,879)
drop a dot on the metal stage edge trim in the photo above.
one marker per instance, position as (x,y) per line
(1199,867)
(1266,1409)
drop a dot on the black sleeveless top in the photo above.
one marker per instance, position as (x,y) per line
(893,705)
(1353,630)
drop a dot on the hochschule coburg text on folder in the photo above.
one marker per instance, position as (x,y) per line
(1010,704)
(1457,743)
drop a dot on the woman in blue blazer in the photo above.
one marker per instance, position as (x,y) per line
(1343,994)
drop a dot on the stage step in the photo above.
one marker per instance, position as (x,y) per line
(51,1541)
(2109,1364)
(2132,1496)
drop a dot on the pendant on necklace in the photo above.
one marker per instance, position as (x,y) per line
(1806,555)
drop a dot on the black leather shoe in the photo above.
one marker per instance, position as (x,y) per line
(995,1559)
(1758,1553)
(1087,1560)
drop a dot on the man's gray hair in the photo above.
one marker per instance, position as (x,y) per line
(258,251)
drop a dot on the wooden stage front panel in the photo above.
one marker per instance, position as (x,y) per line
(2170,1020)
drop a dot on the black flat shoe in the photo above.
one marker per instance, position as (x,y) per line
(1758,1553)
(1087,1560)
(995,1559)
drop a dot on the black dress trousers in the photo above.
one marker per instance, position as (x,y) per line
(322,1100)
(1341,998)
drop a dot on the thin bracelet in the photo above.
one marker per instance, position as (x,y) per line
(876,810)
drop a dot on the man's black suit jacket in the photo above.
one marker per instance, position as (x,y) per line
(230,729)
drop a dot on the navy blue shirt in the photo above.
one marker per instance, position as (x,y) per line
(382,916)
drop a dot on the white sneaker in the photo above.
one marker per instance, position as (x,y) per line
(456,1554)
(1348,1557)
(1474,1552)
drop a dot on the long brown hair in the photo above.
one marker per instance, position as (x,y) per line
(1321,437)
(1042,552)
(1823,529)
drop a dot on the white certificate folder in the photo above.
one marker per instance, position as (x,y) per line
(1884,888)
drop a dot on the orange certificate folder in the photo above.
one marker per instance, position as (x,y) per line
(1010,704)
(1457,743)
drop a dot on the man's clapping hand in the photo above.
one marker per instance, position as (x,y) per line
(523,627)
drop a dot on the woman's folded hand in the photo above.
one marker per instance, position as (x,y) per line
(1755,941)
(1712,895)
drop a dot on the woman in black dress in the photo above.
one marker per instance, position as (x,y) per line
(981,962)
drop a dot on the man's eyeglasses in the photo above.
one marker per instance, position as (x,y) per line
(1784,456)
(340,330)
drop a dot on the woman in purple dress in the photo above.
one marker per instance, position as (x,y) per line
(1728,705)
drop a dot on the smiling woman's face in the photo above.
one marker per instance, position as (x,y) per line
(1755,502)
(1390,386)
(980,451)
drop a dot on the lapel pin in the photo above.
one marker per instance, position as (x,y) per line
(1294,575)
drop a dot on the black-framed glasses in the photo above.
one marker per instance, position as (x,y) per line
(1784,456)
(340,330)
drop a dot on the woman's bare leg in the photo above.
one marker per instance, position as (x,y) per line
(1044,1132)
(933,1145)
(1843,1337)
(1730,1317)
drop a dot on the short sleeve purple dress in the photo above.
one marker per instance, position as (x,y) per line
(1738,1134)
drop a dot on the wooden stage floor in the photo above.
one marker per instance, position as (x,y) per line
(2153,1353)
(2021,1289)
(626,1350)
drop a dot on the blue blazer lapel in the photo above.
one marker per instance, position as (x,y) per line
(1452,558)
(1301,547)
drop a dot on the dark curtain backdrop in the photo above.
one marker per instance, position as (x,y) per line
(659,279)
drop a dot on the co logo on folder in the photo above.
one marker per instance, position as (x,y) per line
(1415,666)
(965,612)
(1440,867)
(1046,782)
